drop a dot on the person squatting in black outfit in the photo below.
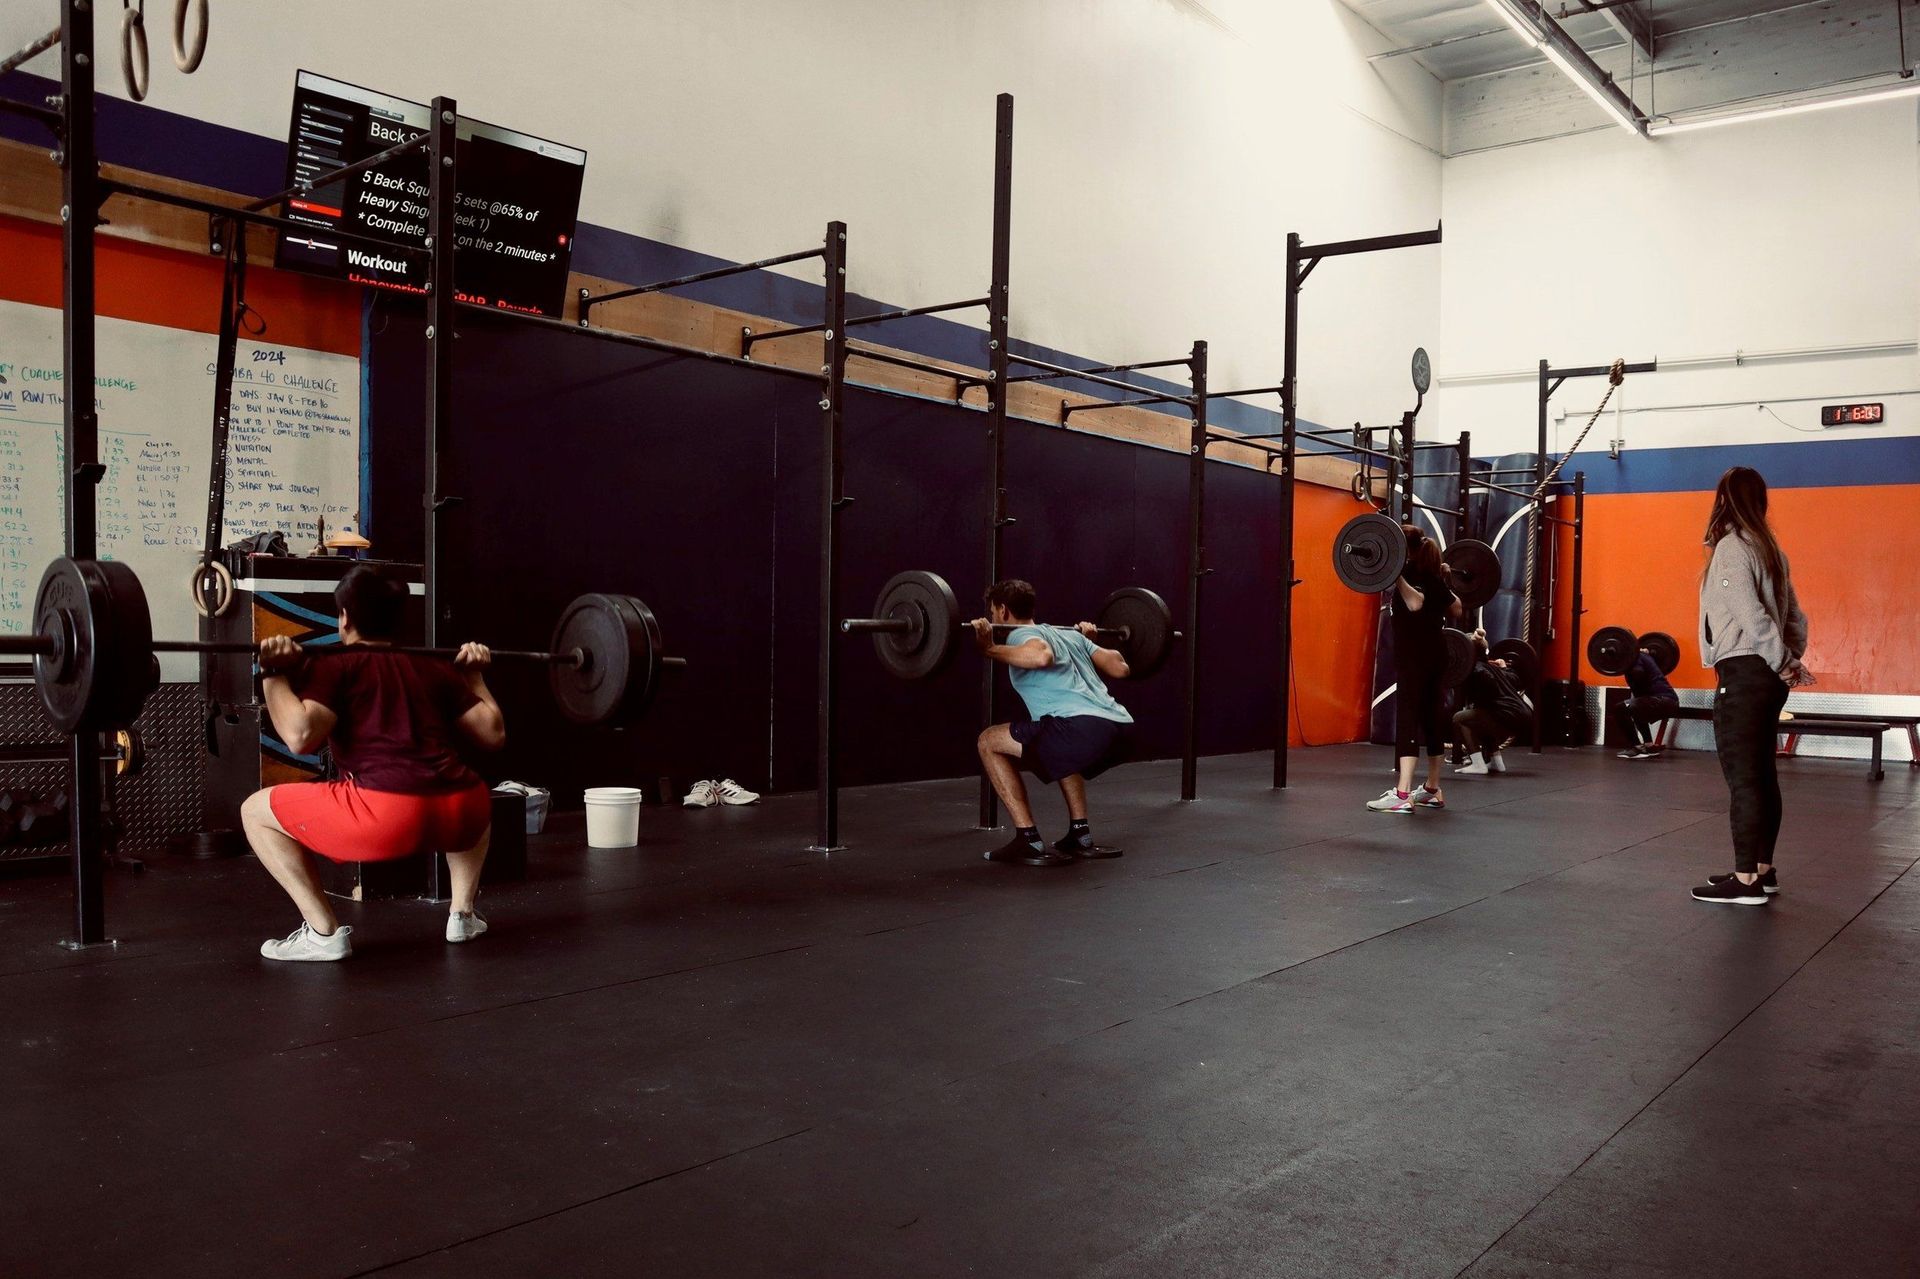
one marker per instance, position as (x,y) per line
(1653,700)
(1754,635)
(1420,605)
(1495,711)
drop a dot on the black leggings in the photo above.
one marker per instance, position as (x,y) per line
(1746,724)
(1420,711)
(1641,713)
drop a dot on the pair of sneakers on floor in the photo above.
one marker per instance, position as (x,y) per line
(723,791)
(1401,801)
(1478,767)
(303,945)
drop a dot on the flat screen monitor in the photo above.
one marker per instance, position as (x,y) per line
(516,198)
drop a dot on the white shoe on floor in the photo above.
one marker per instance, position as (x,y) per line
(732,792)
(1392,802)
(1473,768)
(303,945)
(1497,764)
(703,795)
(464,926)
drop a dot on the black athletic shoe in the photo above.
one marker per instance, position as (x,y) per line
(1019,850)
(1729,891)
(1767,881)
(1082,846)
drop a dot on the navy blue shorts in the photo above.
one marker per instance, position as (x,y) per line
(1054,746)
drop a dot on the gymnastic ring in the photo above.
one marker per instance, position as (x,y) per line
(222,591)
(133,36)
(188,60)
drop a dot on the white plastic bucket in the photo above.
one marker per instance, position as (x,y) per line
(613,816)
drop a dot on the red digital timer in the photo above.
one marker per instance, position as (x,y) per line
(1852,414)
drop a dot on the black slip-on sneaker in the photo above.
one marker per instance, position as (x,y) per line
(1727,890)
(1768,882)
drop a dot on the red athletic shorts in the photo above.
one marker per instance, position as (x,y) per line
(345,822)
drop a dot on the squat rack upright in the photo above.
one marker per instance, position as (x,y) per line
(71,119)
(1301,260)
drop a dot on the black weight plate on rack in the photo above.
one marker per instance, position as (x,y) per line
(929,605)
(1368,552)
(1149,625)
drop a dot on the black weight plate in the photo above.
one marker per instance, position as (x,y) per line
(1521,660)
(645,656)
(1422,370)
(1459,657)
(1610,650)
(1149,625)
(596,690)
(1473,572)
(928,603)
(1369,552)
(1664,648)
(103,671)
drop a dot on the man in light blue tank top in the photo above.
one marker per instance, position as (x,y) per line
(1074,728)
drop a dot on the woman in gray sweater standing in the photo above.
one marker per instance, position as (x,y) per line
(1753,634)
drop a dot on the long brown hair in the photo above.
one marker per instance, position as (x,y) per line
(1740,509)
(1423,553)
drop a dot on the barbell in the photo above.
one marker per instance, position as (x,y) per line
(1517,653)
(1370,552)
(916,622)
(93,651)
(1611,650)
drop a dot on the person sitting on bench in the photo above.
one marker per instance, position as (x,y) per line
(1653,700)
(1075,729)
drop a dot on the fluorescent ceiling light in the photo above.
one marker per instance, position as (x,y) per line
(1521,27)
(1607,101)
(1907,90)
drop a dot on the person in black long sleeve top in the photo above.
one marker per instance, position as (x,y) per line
(1653,700)
(1493,712)
(1421,603)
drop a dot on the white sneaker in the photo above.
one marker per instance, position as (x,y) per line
(464,926)
(1497,764)
(1427,797)
(303,945)
(703,795)
(732,792)
(1391,802)
(1475,767)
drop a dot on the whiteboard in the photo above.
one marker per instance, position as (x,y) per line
(294,455)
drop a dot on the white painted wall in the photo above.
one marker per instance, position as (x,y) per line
(1800,231)
(1164,147)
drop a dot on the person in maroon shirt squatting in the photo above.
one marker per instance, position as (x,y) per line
(397,724)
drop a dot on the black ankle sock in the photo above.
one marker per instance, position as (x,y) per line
(1029,833)
(1079,835)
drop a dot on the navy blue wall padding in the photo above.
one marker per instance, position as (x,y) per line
(1505,618)
(585,465)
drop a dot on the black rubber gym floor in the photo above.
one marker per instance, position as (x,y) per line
(1282,1036)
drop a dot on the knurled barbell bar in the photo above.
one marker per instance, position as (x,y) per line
(1370,552)
(1611,650)
(917,620)
(93,651)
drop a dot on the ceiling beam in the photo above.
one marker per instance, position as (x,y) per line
(1623,16)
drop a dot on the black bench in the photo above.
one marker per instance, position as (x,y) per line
(1827,724)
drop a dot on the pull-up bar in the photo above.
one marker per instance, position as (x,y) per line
(588,301)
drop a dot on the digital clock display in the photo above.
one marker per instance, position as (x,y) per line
(1852,414)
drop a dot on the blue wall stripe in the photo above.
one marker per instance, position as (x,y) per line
(1792,464)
